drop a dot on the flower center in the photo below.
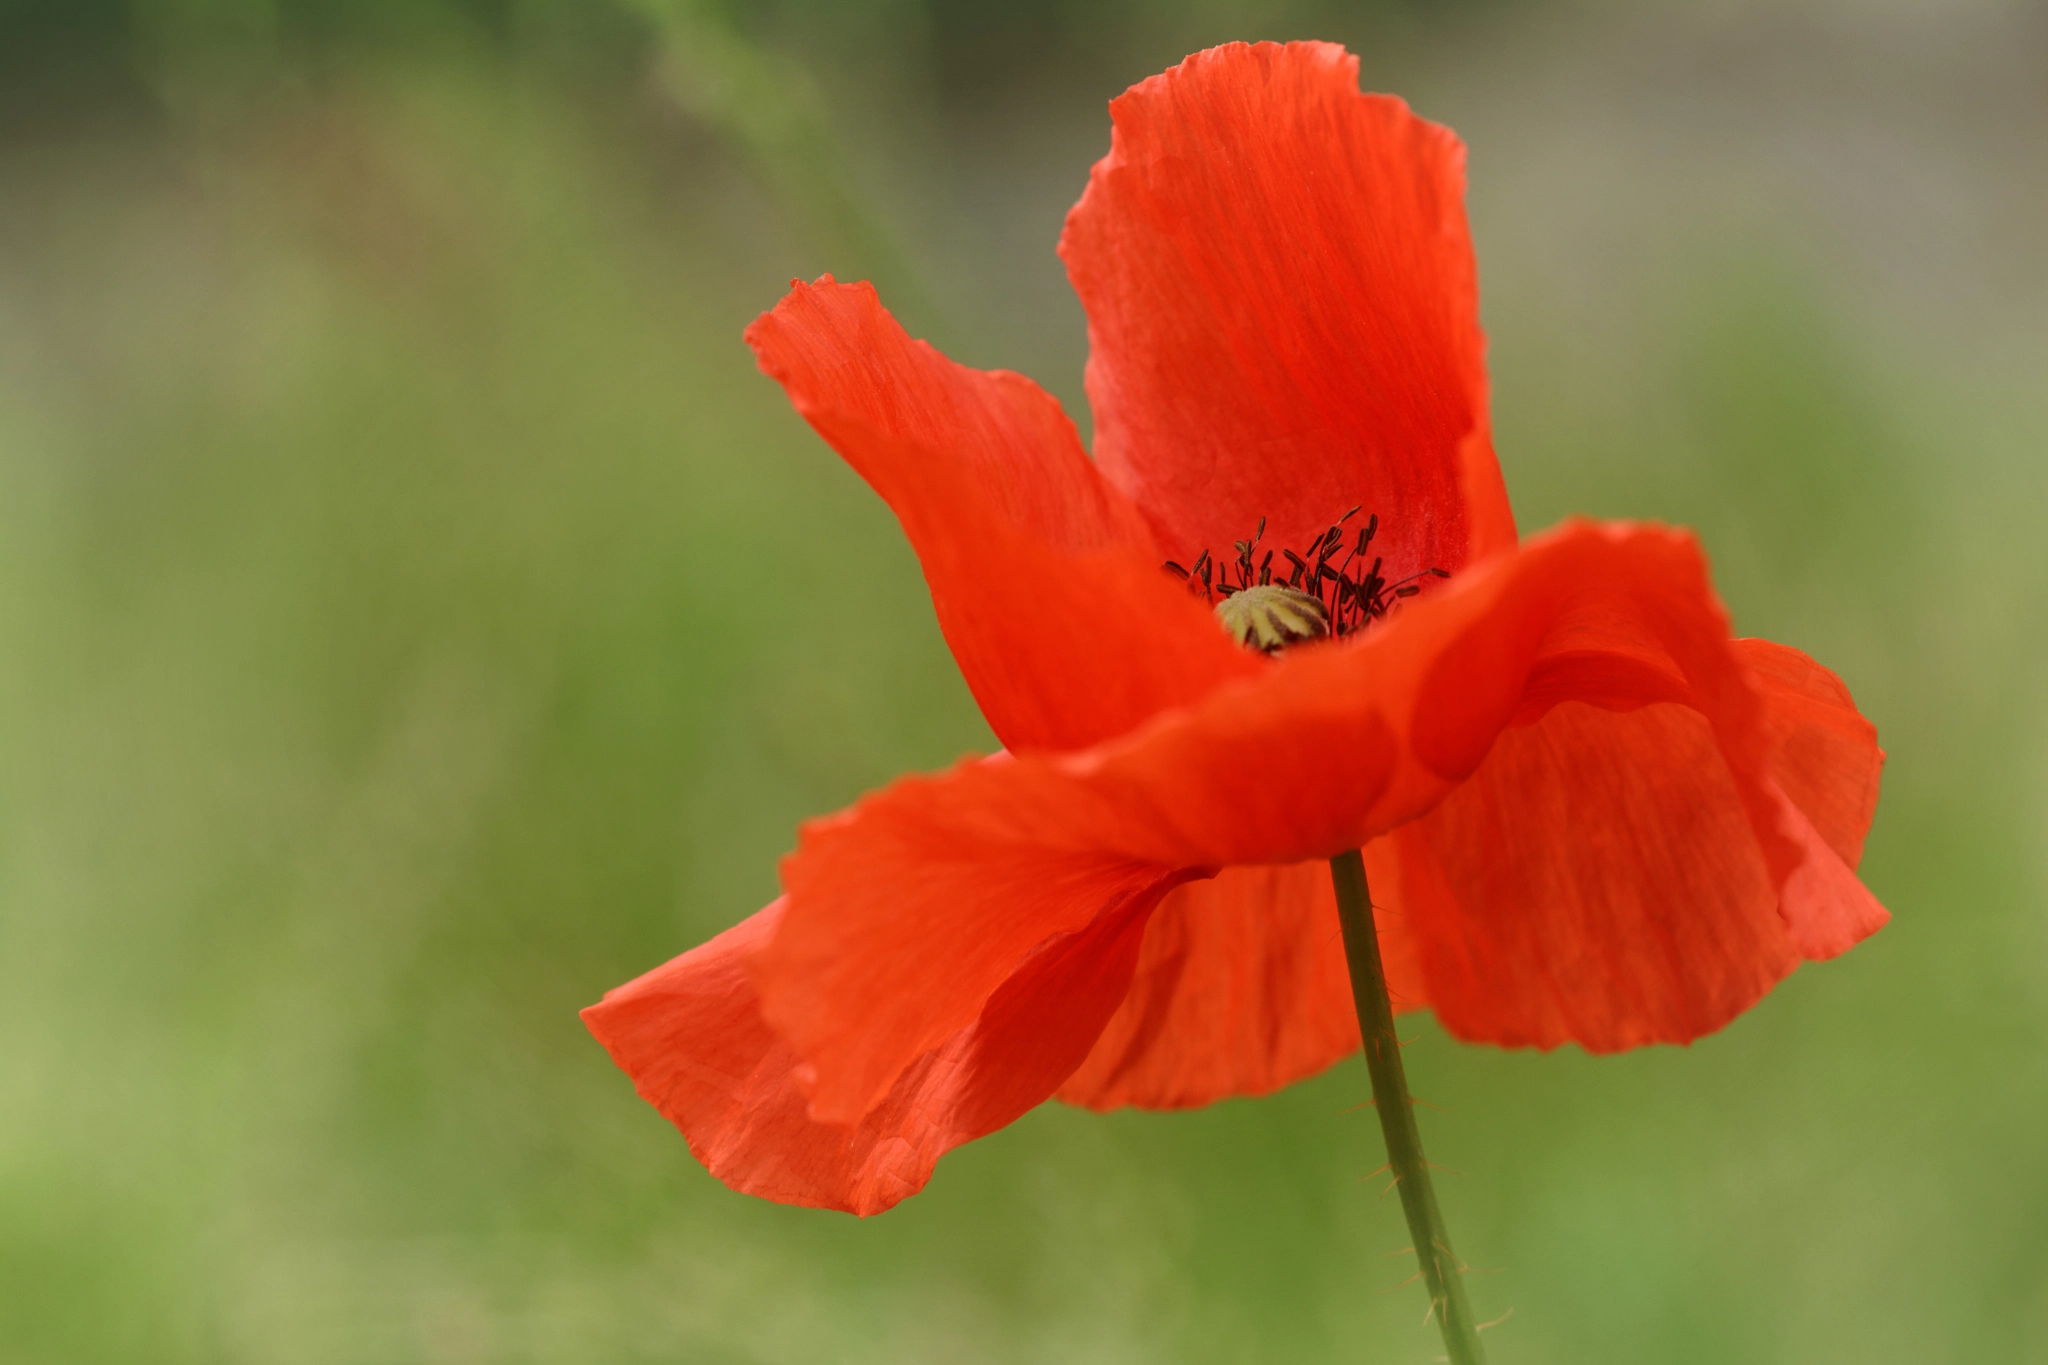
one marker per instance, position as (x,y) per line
(1321,595)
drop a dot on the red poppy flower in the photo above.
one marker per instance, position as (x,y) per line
(1589,814)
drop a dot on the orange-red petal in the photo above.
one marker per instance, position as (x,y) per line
(1825,755)
(1544,888)
(1596,880)
(1241,989)
(1563,678)
(691,1036)
(1283,312)
(908,912)
(1824,763)
(1045,580)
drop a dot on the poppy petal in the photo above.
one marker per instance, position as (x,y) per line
(1596,880)
(1826,908)
(908,912)
(1646,850)
(1241,988)
(1335,744)
(1283,313)
(1825,764)
(1825,755)
(1614,615)
(1045,580)
(691,1036)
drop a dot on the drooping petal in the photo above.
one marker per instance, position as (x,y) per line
(1826,908)
(691,1036)
(1596,880)
(1561,634)
(905,914)
(907,910)
(1045,580)
(1283,311)
(1335,744)
(1825,764)
(1241,988)
(1825,754)
(1650,848)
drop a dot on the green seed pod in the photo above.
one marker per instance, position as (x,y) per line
(1271,617)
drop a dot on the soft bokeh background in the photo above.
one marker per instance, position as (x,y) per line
(417,616)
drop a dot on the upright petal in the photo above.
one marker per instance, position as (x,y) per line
(691,1036)
(1046,582)
(1283,313)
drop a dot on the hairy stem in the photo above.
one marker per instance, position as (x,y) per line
(1440,1269)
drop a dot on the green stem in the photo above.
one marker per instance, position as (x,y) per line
(1440,1269)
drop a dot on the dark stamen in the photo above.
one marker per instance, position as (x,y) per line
(1351,594)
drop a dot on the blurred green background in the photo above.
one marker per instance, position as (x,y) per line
(417,616)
